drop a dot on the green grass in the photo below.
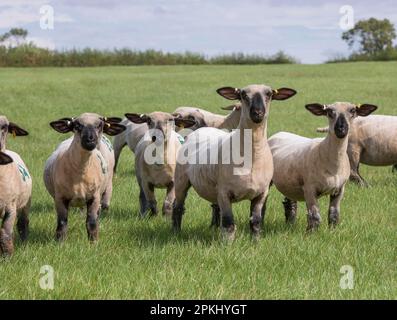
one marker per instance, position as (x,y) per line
(137,258)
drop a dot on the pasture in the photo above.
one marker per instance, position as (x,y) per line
(141,258)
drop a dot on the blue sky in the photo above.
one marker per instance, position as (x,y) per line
(308,30)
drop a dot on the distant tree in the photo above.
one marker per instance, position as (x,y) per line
(14,36)
(372,36)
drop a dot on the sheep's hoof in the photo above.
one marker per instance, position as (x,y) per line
(176,229)
(359,181)
(229,233)
(93,239)
(312,228)
(60,236)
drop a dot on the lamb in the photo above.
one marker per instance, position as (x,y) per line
(372,142)
(203,118)
(158,173)
(79,173)
(307,169)
(15,190)
(225,182)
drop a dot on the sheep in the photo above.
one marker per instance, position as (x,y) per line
(15,190)
(203,118)
(371,142)
(224,182)
(160,172)
(79,173)
(307,169)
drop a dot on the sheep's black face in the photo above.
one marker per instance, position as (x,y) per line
(89,134)
(89,138)
(256,100)
(341,127)
(257,108)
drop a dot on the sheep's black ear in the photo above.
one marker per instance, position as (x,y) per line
(317,109)
(229,93)
(185,123)
(5,158)
(113,129)
(112,120)
(16,130)
(136,117)
(283,94)
(365,109)
(63,125)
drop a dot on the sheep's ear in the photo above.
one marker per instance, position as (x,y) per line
(365,109)
(229,93)
(283,94)
(63,125)
(113,129)
(112,120)
(317,109)
(232,107)
(5,158)
(184,123)
(16,130)
(136,117)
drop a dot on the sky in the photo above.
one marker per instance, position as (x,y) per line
(308,30)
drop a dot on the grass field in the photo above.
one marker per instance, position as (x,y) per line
(142,259)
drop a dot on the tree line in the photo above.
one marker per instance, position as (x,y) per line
(368,40)
(15,51)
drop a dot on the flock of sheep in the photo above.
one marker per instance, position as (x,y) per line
(80,171)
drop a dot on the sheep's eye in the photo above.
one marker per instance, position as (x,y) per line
(331,113)
(99,126)
(353,111)
(78,126)
(149,121)
(244,95)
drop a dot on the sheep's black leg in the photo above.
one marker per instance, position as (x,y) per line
(394,168)
(92,222)
(354,159)
(216,216)
(62,209)
(23,222)
(6,232)
(334,207)
(182,186)
(143,205)
(265,204)
(148,189)
(169,200)
(313,210)
(256,213)
(227,219)
(264,210)
(290,209)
